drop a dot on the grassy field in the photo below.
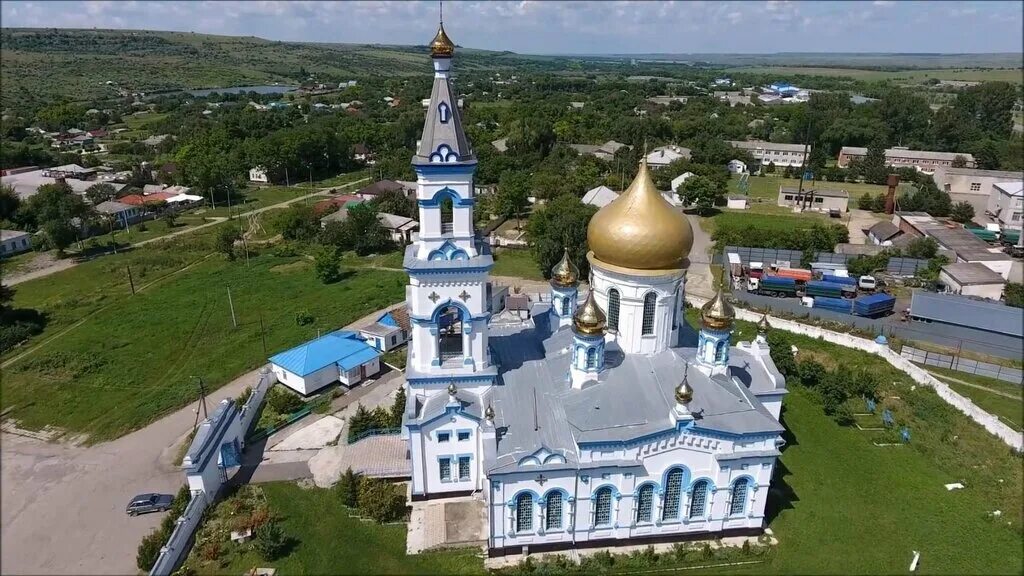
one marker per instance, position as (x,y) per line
(916,76)
(988,393)
(787,221)
(133,358)
(767,187)
(517,263)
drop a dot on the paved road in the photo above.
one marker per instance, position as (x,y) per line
(59,265)
(699,280)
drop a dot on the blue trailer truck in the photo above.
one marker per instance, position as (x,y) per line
(841,305)
(874,305)
(772,286)
(847,280)
(821,288)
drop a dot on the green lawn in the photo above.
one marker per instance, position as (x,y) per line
(516,263)
(134,358)
(328,541)
(767,187)
(1009,410)
(740,219)
(145,231)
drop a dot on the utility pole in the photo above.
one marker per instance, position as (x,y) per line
(286,183)
(202,400)
(231,305)
(263,335)
(131,282)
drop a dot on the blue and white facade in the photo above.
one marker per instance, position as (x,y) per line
(574,437)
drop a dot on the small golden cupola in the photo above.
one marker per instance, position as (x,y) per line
(442,46)
(589,319)
(565,273)
(640,230)
(718,314)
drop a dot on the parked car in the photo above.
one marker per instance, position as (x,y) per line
(144,503)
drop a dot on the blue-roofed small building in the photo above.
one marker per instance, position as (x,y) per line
(390,330)
(341,356)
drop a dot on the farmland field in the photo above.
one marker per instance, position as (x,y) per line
(915,76)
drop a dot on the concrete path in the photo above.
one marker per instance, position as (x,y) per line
(859,221)
(978,386)
(699,279)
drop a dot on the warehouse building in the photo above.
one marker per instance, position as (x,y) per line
(972,279)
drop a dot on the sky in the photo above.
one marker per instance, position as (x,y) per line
(552,27)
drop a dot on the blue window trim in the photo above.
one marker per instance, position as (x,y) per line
(566,501)
(449,460)
(458,457)
(514,505)
(684,482)
(443,193)
(460,432)
(655,491)
(443,436)
(611,505)
(751,488)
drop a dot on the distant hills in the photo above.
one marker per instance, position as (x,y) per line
(873,61)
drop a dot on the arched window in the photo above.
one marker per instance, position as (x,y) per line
(644,503)
(650,300)
(450,333)
(603,507)
(553,513)
(447,215)
(738,499)
(698,499)
(613,309)
(720,351)
(673,489)
(524,512)
(565,306)
(591,357)
(675,309)
(443,112)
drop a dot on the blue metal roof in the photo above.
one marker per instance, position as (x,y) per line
(964,311)
(342,347)
(387,320)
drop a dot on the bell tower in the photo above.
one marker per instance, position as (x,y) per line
(448,267)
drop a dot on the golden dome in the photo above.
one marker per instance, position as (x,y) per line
(441,45)
(718,314)
(565,273)
(684,392)
(589,319)
(640,230)
(489,412)
(452,389)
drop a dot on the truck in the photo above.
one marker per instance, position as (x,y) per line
(772,286)
(848,280)
(874,305)
(821,288)
(798,274)
(841,305)
(867,283)
(756,270)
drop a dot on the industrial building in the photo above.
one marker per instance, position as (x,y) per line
(814,199)
(972,279)
(923,160)
(964,312)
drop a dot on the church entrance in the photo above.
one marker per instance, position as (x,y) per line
(450,334)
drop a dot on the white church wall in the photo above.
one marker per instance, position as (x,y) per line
(434,450)
(505,490)
(632,290)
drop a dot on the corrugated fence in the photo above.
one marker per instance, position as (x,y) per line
(1012,375)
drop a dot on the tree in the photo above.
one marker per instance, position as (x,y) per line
(865,202)
(771,168)
(347,488)
(560,224)
(959,161)
(512,196)
(170,217)
(364,231)
(875,171)
(1014,295)
(395,202)
(270,541)
(225,242)
(9,203)
(922,248)
(961,212)
(359,422)
(297,223)
(381,500)
(700,192)
(101,192)
(398,408)
(327,264)
(986,155)
(926,197)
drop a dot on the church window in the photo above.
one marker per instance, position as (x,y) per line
(443,112)
(463,435)
(443,436)
(447,215)
(565,306)
(613,309)
(644,503)
(591,358)
(699,499)
(603,507)
(673,489)
(720,352)
(463,467)
(445,469)
(738,500)
(554,511)
(524,513)
(450,337)
(648,323)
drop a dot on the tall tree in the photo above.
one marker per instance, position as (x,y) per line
(701,192)
(561,223)
(513,195)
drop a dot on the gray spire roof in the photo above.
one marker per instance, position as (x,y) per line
(437,133)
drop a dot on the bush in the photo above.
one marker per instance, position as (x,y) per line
(270,541)
(304,318)
(282,401)
(241,399)
(149,550)
(347,488)
(381,500)
(327,264)
(811,372)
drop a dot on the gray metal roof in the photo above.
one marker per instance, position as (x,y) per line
(112,207)
(1009,175)
(754,144)
(972,273)
(966,245)
(963,311)
(884,231)
(450,133)
(536,407)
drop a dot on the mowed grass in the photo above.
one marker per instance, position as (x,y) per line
(742,219)
(997,397)
(328,541)
(767,187)
(135,358)
(516,263)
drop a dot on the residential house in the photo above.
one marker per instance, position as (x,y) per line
(766,153)
(399,228)
(664,155)
(736,202)
(736,166)
(258,174)
(154,141)
(14,242)
(604,151)
(600,196)
(340,356)
(577,105)
(360,153)
(389,331)
(1006,203)
(883,233)
(820,200)
(340,201)
(371,191)
(972,279)
(667,100)
(123,214)
(899,157)
(678,181)
(501,144)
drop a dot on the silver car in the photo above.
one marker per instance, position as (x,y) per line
(144,503)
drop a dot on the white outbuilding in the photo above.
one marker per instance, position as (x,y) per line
(340,356)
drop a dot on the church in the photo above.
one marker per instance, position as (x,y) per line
(603,419)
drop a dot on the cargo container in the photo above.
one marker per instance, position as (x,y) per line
(986,235)
(772,286)
(849,280)
(874,305)
(798,274)
(820,288)
(842,305)
(1009,236)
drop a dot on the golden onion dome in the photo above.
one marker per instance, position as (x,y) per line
(589,319)
(565,273)
(684,392)
(717,314)
(452,389)
(640,230)
(489,412)
(441,45)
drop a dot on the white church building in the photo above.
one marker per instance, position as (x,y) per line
(603,419)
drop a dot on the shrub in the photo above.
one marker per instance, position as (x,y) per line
(149,550)
(327,265)
(706,552)
(243,397)
(210,551)
(381,500)
(285,250)
(304,318)
(347,488)
(283,401)
(811,372)
(270,541)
